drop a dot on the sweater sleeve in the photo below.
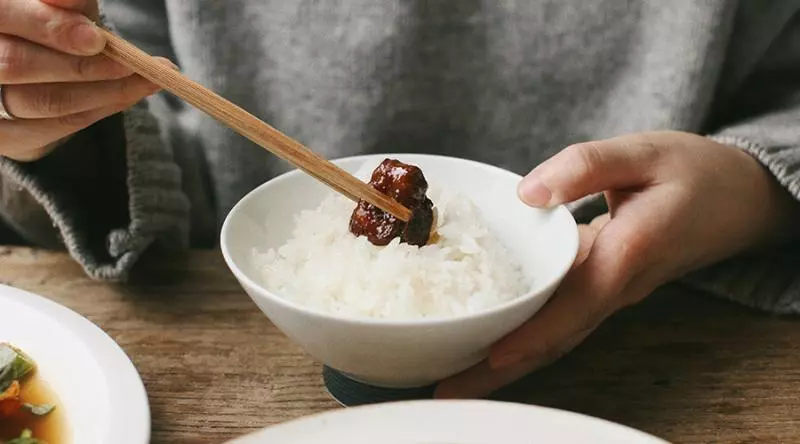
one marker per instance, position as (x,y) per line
(106,195)
(763,119)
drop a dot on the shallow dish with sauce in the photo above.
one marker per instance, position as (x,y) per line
(98,395)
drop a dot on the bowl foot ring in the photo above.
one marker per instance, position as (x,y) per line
(352,393)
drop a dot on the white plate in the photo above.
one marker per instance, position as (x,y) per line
(449,422)
(97,386)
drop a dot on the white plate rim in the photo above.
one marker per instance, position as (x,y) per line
(133,426)
(331,417)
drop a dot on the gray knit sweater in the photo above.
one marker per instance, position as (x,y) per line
(504,82)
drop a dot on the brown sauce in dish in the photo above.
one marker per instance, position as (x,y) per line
(51,428)
(407,185)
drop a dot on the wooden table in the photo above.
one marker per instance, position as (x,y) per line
(681,365)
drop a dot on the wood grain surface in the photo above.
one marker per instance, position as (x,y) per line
(681,365)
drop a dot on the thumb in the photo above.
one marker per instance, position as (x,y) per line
(588,168)
(89,8)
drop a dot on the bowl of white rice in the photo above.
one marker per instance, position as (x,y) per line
(399,315)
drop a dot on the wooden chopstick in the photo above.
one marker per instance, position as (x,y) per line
(249,126)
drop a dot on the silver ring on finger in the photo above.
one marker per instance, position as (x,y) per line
(4,114)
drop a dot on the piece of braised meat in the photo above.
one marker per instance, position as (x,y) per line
(407,185)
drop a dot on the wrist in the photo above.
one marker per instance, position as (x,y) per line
(780,210)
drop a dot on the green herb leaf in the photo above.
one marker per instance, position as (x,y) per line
(39,410)
(14,365)
(26,438)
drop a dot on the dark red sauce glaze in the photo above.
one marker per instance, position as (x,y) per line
(407,185)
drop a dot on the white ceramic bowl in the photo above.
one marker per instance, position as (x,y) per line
(403,353)
(99,390)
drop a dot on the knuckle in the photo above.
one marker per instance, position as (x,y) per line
(83,67)
(52,101)
(630,254)
(93,68)
(585,157)
(12,59)
(590,155)
(645,149)
(58,28)
(633,247)
(123,91)
(620,257)
(648,150)
(53,25)
(128,91)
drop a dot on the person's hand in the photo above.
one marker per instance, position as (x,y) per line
(677,202)
(54,82)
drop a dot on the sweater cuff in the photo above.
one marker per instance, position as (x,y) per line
(158,208)
(768,281)
(781,161)
(112,191)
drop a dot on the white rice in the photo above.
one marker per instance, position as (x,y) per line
(324,267)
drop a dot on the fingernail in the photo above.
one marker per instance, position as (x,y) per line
(534,192)
(87,39)
(168,62)
(504,361)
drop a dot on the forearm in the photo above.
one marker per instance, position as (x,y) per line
(767,276)
(779,180)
